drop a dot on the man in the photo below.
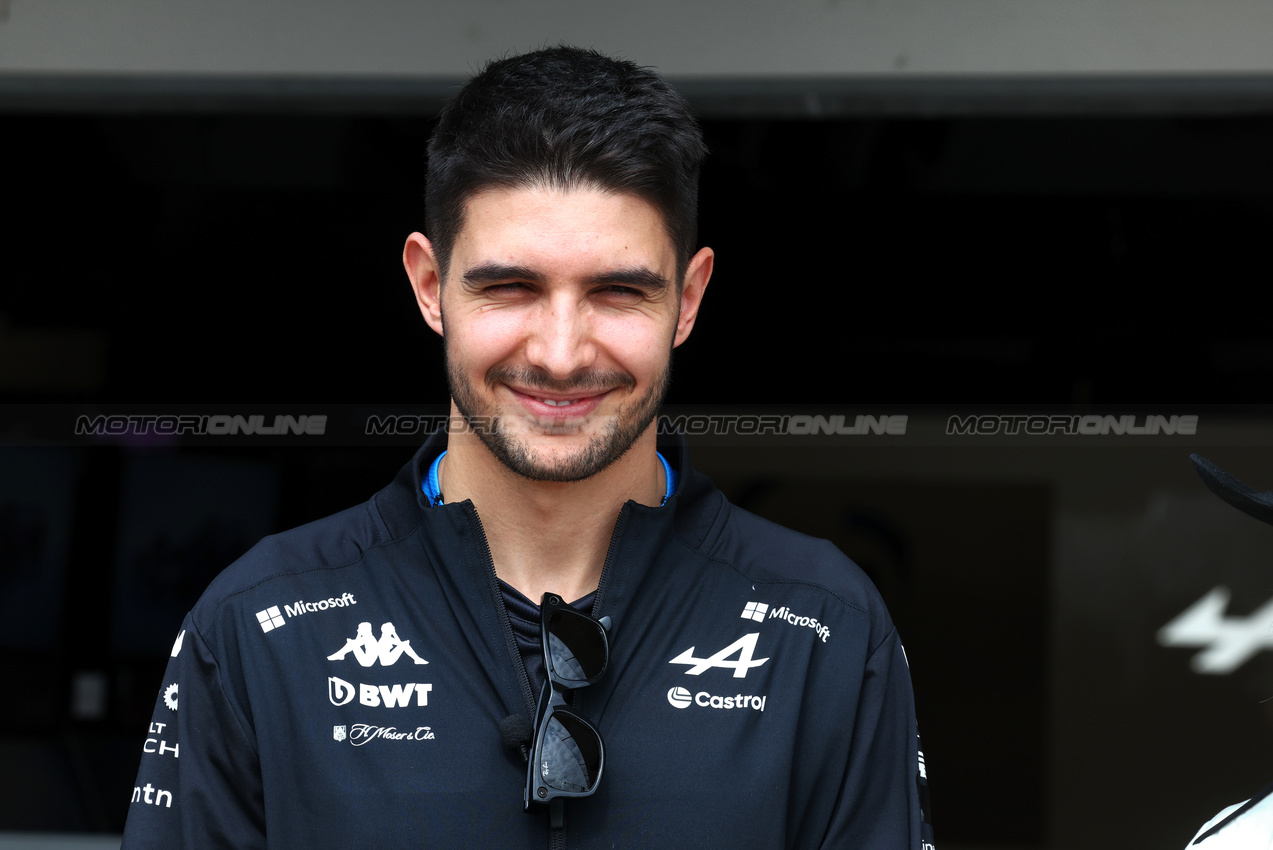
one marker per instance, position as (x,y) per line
(756,693)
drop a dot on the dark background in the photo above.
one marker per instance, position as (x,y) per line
(941,260)
(236,257)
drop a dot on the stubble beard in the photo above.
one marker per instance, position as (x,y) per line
(623,428)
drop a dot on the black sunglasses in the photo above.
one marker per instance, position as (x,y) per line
(568,754)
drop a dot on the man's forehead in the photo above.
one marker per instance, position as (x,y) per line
(546,221)
(540,199)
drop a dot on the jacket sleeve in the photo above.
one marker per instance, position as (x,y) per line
(884,797)
(199,784)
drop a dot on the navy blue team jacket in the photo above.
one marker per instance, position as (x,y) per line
(343,684)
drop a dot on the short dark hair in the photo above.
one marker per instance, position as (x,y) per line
(569,118)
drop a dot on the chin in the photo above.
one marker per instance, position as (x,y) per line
(587,457)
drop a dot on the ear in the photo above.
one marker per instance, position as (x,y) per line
(697,275)
(426,279)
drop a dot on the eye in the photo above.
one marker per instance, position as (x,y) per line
(509,288)
(621,292)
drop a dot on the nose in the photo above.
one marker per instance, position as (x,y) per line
(561,341)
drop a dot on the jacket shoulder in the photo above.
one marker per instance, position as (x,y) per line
(333,542)
(764,551)
(767,551)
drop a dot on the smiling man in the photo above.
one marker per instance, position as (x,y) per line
(561,310)
(715,680)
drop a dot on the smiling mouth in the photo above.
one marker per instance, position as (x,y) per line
(558,411)
(565,403)
(558,402)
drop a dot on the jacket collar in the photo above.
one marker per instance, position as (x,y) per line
(691,514)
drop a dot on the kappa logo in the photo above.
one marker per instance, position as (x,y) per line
(1228,642)
(272,618)
(368,649)
(744,648)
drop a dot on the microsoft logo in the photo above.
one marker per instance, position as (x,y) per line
(271,618)
(753,611)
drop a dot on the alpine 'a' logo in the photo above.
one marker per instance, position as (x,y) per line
(744,648)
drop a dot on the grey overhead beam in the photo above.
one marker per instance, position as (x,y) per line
(793,97)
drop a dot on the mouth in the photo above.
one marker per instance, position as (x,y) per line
(558,408)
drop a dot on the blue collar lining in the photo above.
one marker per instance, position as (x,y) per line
(433,489)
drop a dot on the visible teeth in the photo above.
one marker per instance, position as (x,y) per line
(552,403)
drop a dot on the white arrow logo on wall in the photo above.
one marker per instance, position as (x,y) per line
(1229,642)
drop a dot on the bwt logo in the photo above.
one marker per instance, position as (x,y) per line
(1229,642)
(341,692)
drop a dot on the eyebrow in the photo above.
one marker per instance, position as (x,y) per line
(635,276)
(496,272)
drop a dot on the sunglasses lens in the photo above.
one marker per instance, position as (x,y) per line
(577,647)
(570,758)
(568,753)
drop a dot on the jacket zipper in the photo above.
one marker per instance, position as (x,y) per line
(619,525)
(509,640)
(556,837)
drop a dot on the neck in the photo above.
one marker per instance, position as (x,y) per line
(547,535)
